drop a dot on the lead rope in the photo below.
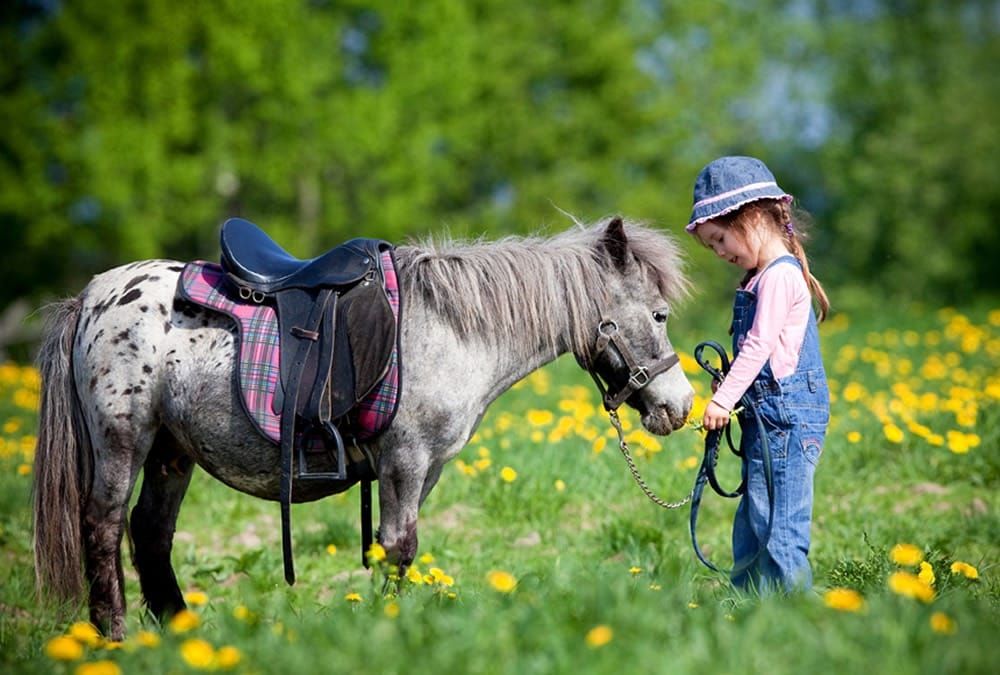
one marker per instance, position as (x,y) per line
(623,446)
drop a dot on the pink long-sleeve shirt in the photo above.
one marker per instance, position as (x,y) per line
(779,327)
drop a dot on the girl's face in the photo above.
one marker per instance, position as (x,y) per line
(731,245)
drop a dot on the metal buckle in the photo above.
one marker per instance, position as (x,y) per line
(245,293)
(638,378)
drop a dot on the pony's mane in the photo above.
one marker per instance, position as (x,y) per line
(531,285)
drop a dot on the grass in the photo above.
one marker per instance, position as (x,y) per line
(605,580)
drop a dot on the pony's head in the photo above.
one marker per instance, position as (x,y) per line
(628,351)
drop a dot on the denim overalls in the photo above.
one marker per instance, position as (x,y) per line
(795,411)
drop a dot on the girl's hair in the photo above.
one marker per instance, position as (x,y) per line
(792,225)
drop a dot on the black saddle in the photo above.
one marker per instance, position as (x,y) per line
(261,264)
(337,334)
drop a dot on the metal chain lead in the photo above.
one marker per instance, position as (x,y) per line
(623,446)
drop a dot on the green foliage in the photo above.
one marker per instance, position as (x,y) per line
(131,130)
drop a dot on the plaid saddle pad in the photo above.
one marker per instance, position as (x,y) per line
(257,369)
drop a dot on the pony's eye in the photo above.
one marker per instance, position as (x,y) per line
(660,316)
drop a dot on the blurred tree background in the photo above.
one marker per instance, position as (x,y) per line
(131,129)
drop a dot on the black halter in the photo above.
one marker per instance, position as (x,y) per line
(638,375)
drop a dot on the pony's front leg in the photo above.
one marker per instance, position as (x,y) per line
(401,480)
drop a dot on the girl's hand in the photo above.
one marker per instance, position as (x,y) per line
(716,417)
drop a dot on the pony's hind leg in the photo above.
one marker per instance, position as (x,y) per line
(165,478)
(114,475)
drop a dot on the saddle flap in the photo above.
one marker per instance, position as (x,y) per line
(366,338)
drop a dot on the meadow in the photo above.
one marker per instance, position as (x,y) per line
(538,553)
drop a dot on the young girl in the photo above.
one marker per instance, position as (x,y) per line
(741,214)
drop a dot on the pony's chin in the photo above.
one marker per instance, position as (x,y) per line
(658,424)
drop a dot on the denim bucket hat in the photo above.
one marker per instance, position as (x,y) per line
(728,183)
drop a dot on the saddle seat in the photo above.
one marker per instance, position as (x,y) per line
(261,264)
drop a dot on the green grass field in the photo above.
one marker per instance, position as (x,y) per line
(538,554)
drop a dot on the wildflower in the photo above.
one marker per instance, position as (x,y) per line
(331,549)
(599,444)
(634,570)
(427,558)
(893,433)
(228,657)
(184,621)
(103,667)
(691,462)
(508,475)
(540,418)
(353,597)
(414,575)
(391,609)
(23,469)
(910,586)
(376,553)
(196,598)
(926,573)
(501,581)
(692,605)
(438,575)
(655,587)
(598,636)
(906,554)
(844,599)
(146,638)
(959,567)
(560,485)
(198,653)
(942,623)
(853,436)
(242,613)
(63,648)
(957,442)
(85,634)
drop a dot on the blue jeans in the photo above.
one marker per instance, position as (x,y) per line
(794,420)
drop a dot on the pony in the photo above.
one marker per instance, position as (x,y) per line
(133,378)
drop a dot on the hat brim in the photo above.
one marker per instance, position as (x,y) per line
(722,208)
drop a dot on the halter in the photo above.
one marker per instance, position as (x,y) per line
(639,376)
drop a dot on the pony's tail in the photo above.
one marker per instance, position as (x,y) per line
(62,452)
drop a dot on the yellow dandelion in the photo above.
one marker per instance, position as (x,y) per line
(242,613)
(508,475)
(598,636)
(331,549)
(559,485)
(353,597)
(102,667)
(414,576)
(198,653)
(906,554)
(965,569)
(655,587)
(926,573)
(501,581)
(893,433)
(376,553)
(540,418)
(23,469)
(691,462)
(634,570)
(196,598)
(228,657)
(942,623)
(427,558)
(599,444)
(844,599)
(853,436)
(85,634)
(184,621)
(63,648)
(391,609)
(910,586)
(146,638)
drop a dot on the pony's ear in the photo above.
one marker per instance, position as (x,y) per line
(616,242)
